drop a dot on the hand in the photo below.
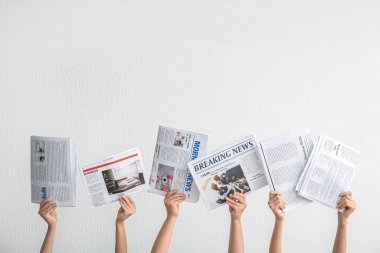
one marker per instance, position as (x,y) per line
(237,205)
(277,204)
(127,208)
(47,212)
(348,204)
(172,200)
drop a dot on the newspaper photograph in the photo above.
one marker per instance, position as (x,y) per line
(329,171)
(115,176)
(235,167)
(174,149)
(53,170)
(284,158)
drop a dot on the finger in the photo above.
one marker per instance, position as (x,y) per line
(274,193)
(129,202)
(349,204)
(278,204)
(342,204)
(178,198)
(179,201)
(239,198)
(278,198)
(44,203)
(181,195)
(128,209)
(132,201)
(233,202)
(342,199)
(345,193)
(350,198)
(123,201)
(171,192)
(47,206)
(282,204)
(51,208)
(241,195)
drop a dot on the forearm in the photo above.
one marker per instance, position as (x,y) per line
(47,245)
(121,239)
(276,241)
(341,237)
(162,242)
(236,244)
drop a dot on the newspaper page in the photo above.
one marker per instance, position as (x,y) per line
(174,149)
(329,171)
(235,167)
(53,169)
(115,176)
(307,166)
(284,158)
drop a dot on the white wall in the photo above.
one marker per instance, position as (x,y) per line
(107,73)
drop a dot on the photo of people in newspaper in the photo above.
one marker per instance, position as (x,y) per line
(164,177)
(39,151)
(179,139)
(221,185)
(122,179)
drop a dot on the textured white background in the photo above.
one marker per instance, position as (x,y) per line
(108,72)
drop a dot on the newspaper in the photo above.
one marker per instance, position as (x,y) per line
(233,167)
(329,171)
(284,158)
(52,163)
(174,149)
(115,176)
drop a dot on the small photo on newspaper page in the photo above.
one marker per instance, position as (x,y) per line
(235,167)
(174,149)
(53,170)
(115,176)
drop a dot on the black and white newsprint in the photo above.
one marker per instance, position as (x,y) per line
(174,149)
(115,176)
(284,158)
(53,168)
(235,167)
(329,171)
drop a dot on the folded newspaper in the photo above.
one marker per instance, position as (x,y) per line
(174,149)
(235,167)
(53,168)
(115,176)
(329,171)
(284,158)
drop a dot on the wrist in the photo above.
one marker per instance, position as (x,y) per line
(171,217)
(235,219)
(280,220)
(342,221)
(52,225)
(119,222)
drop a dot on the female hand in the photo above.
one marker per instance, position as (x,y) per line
(172,200)
(277,205)
(127,208)
(236,204)
(347,203)
(47,212)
